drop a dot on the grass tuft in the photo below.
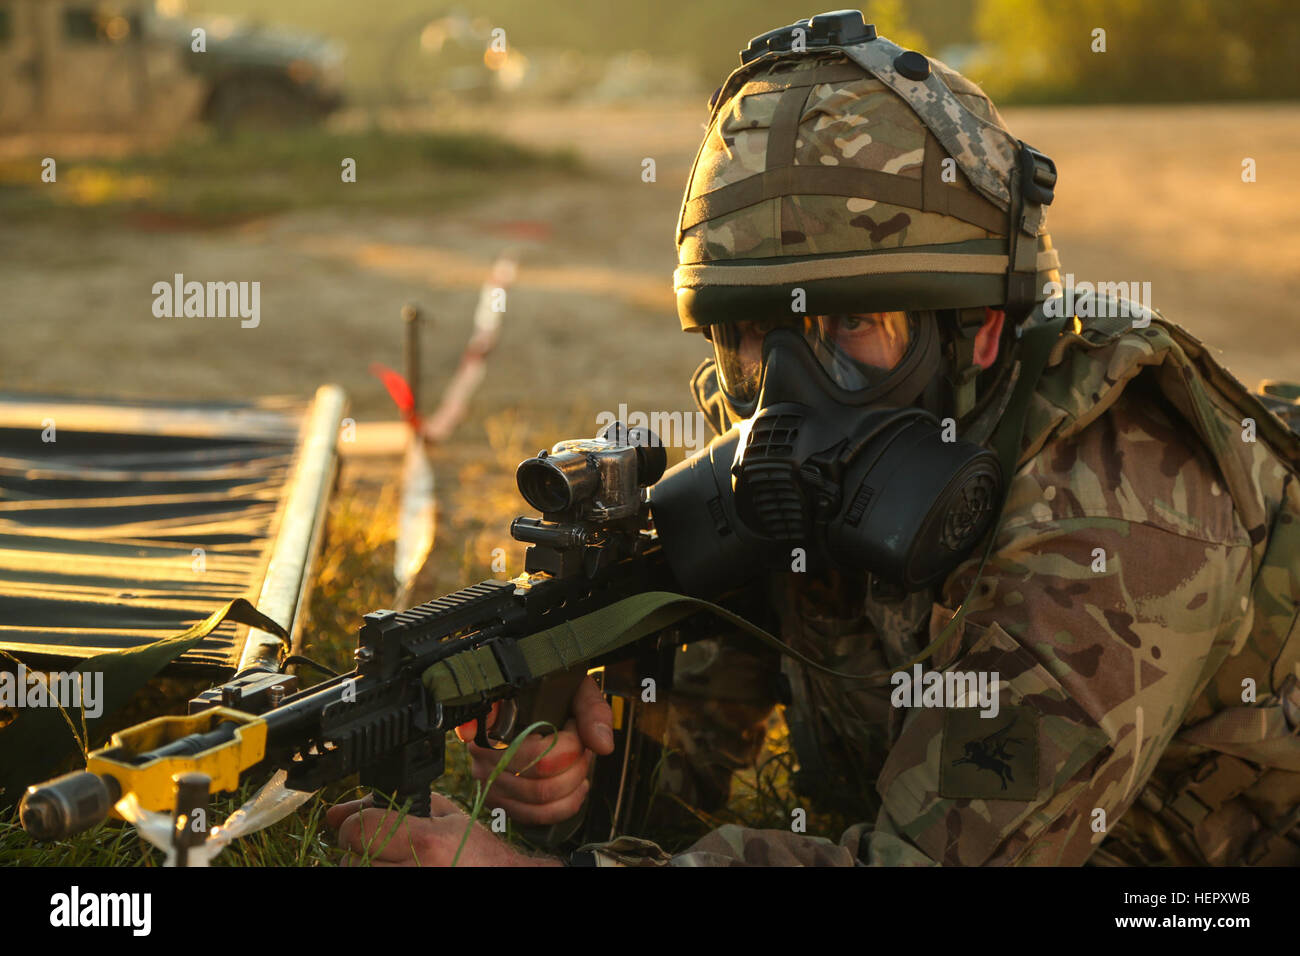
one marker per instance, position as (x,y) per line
(205,180)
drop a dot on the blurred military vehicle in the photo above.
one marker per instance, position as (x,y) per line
(125,65)
(454,58)
(443,59)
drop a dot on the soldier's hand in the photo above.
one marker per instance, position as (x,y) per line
(373,836)
(554,789)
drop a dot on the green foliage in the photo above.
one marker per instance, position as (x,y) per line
(1155,51)
(206,179)
(300,840)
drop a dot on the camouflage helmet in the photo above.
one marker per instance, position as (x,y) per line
(869,177)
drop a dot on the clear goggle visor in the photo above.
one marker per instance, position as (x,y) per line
(857,351)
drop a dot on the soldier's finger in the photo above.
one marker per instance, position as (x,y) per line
(442,806)
(595,717)
(370,829)
(336,814)
(426,841)
(568,748)
(466,731)
(529,814)
(540,790)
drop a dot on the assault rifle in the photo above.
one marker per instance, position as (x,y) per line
(420,672)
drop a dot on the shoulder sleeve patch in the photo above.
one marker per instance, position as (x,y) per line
(989,758)
(958,786)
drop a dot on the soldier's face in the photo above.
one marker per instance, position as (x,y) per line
(857,350)
(878,339)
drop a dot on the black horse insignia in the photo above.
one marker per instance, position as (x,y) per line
(991,753)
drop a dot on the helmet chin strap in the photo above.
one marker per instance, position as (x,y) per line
(960,370)
(933,399)
(950,390)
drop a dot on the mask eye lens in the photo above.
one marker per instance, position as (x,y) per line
(738,349)
(857,350)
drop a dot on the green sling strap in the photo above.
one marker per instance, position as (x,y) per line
(464,678)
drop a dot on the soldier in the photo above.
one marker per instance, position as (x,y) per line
(860,226)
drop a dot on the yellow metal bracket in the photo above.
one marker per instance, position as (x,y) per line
(152,781)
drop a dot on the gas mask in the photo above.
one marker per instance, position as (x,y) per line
(842,462)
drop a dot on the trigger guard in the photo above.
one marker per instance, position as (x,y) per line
(507,716)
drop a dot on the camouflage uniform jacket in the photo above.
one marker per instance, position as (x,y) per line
(1138,609)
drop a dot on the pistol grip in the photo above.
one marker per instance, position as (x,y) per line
(549,699)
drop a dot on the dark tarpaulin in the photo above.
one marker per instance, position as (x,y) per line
(139,519)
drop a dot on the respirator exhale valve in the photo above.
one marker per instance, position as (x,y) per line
(823,484)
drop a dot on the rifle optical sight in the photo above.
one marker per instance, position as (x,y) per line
(593,479)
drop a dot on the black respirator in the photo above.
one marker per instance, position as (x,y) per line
(820,478)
